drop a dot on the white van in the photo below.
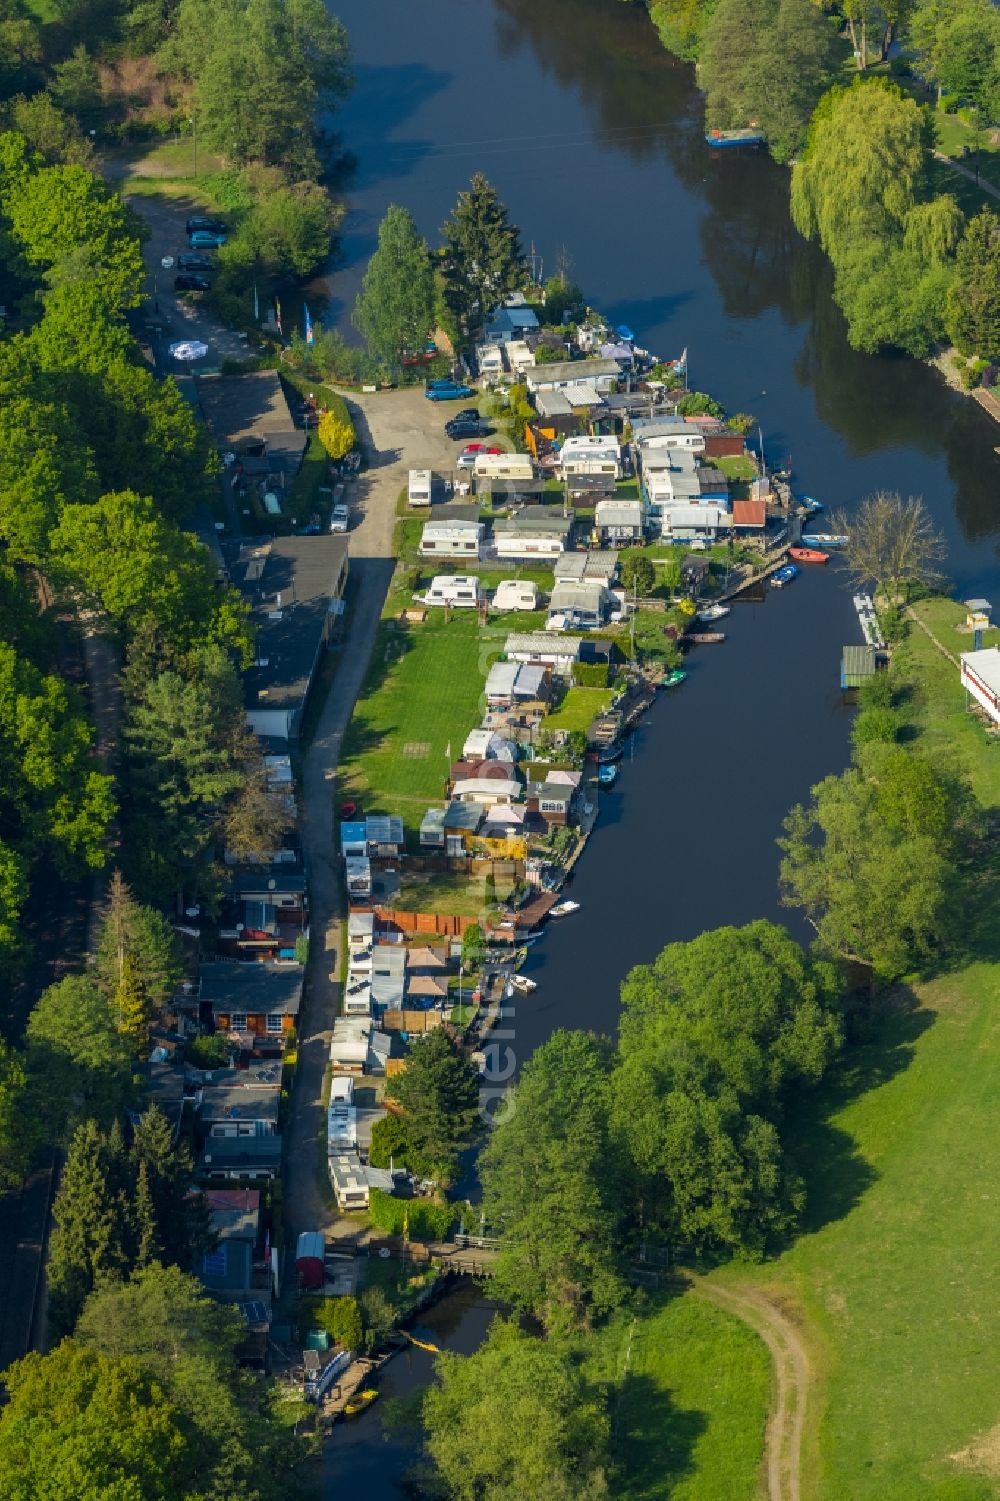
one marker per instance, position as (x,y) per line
(459,590)
(516,594)
(504,466)
(418,491)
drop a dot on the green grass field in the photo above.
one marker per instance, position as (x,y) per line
(422,692)
(897,1274)
(579,708)
(689,1416)
(935,706)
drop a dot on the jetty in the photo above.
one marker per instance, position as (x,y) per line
(868,618)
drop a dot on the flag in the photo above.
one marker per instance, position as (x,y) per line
(682,363)
(256,305)
(310,336)
(277,316)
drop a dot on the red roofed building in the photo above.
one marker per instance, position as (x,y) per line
(749,513)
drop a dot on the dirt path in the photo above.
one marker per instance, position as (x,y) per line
(786,1420)
(981,183)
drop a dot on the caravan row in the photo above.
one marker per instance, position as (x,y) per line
(462,591)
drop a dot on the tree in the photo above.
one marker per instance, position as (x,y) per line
(180,1217)
(49,130)
(161,1317)
(78,1062)
(336,432)
(875,726)
(440,1094)
(341,1318)
(78,1424)
(91,1215)
(76,87)
(551,1186)
(638,575)
(390,1142)
(473,947)
(517,1418)
(140,935)
(892,544)
(972,310)
(17,1135)
(482,255)
(873,860)
(395,307)
(255,819)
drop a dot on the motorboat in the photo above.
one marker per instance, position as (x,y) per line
(675,678)
(522,983)
(563,909)
(713,612)
(784,576)
(825,539)
(808,555)
(809,504)
(606,775)
(609,754)
(705,638)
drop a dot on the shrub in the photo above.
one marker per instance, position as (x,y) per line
(302,949)
(378,1316)
(878,692)
(875,726)
(699,404)
(424,1220)
(341,1318)
(336,430)
(390,1141)
(211,1051)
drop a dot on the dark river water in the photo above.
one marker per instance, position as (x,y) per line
(593,136)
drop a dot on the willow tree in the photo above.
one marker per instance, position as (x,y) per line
(892,544)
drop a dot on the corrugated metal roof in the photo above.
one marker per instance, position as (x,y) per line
(856,664)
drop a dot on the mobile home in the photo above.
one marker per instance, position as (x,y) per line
(504,466)
(418,490)
(516,594)
(461,590)
(451,539)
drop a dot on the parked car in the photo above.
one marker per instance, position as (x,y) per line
(206,239)
(467,458)
(340,519)
(195,263)
(202,221)
(467,414)
(466,427)
(447,390)
(191,283)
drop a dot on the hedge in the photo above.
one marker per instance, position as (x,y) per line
(427,1221)
(591,674)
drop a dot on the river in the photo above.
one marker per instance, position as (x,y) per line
(593,136)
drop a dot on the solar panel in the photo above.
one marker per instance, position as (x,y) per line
(254,1313)
(216,1263)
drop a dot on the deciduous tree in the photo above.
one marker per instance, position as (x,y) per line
(517,1418)
(892,544)
(972,310)
(551,1186)
(78,1061)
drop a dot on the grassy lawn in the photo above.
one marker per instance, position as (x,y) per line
(896,1276)
(689,1415)
(736,466)
(458,896)
(936,705)
(579,708)
(422,692)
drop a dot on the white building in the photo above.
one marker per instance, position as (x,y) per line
(980,673)
(451,539)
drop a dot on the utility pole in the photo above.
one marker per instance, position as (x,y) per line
(194,143)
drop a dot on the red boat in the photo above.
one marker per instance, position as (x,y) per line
(808,555)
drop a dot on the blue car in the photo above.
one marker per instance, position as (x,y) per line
(447,390)
(205,239)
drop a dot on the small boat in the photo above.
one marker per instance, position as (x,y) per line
(606,775)
(360,1402)
(808,555)
(675,678)
(706,638)
(713,612)
(825,539)
(610,753)
(784,576)
(522,983)
(809,504)
(563,909)
(746,137)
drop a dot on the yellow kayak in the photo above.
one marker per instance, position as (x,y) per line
(360,1402)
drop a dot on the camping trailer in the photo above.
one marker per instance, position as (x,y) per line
(418,490)
(453,589)
(516,594)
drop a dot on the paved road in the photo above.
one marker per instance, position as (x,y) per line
(399,430)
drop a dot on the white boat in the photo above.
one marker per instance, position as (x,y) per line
(713,612)
(563,909)
(522,983)
(825,539)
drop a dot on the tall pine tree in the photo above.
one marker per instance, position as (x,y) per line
(395,308)
(483,260)
(91,1229)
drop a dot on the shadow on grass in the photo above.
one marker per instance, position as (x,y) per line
(835,1174)
(655,1438)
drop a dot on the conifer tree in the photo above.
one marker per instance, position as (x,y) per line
(483,260)
(90,1227)
(395,308)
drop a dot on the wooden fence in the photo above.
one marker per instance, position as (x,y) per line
(442,924)
(411,1021)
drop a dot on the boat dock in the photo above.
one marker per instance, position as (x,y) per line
(870,627)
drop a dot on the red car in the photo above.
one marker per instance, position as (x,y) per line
(470,453)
